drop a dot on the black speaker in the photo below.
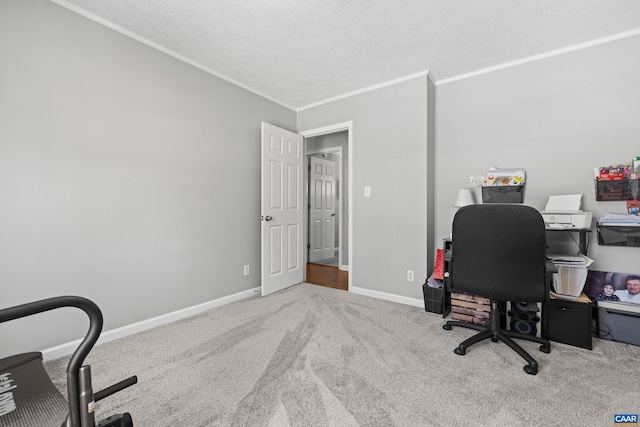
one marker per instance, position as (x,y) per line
(524,318)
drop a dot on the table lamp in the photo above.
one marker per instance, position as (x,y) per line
(464,198)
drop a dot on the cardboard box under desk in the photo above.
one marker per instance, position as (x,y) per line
(470,308)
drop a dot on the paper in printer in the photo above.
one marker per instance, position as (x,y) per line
(563,212)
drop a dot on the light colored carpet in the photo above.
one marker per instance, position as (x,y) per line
(315,356)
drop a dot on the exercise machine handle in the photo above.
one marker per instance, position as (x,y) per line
(99,395)
(80,354)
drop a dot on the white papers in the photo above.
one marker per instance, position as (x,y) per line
(571,260)
(620,219)
(500,177)
(564,203)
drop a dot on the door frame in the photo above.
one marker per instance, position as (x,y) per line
(339,199)
(308,133)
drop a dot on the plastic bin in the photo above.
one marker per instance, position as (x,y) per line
(434,299)
(570,280)
(619,321)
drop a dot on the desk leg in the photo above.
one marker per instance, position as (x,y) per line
(583,242)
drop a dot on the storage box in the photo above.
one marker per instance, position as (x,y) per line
(622,189)
(503,194)
(619,235)
(470,308)
(568,322)
(435,300)
(619,321)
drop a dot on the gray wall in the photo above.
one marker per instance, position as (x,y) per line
(390,132)
(558,118)
(126,176)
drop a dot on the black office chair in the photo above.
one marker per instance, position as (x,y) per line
(499,252)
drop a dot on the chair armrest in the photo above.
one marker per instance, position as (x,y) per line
(550,267)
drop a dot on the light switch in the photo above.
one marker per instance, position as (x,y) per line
(367,191)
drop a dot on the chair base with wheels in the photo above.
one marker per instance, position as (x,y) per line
(494,331)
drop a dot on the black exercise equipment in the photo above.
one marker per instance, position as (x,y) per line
(27,395)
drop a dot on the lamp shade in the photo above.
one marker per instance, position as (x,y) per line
(463,198)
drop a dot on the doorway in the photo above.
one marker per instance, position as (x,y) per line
(324,171)
(327,195)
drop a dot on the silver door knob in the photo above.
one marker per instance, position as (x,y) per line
(268,218)
(333,214)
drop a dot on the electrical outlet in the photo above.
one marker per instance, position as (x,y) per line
(409,275)
(246,270)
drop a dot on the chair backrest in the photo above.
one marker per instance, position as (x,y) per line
(499,252)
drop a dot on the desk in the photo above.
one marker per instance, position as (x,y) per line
(568,322)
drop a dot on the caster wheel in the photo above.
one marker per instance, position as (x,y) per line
(446,327)
(530,370)
(494,339)
(545,349)
(460,351)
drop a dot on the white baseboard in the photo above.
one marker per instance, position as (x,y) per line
(68,348)
(388,297)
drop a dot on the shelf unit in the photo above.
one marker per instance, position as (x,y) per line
(619,235)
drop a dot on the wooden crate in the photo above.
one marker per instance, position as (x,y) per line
(470,308)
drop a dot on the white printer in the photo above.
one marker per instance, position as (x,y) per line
(563,212)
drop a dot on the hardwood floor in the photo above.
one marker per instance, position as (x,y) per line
(326,275)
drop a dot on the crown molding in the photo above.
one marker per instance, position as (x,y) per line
(426,73)
(541,56)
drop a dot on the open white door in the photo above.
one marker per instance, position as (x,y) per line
(322,209)
(282,209)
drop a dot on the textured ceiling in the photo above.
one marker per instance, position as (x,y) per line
(301,52)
